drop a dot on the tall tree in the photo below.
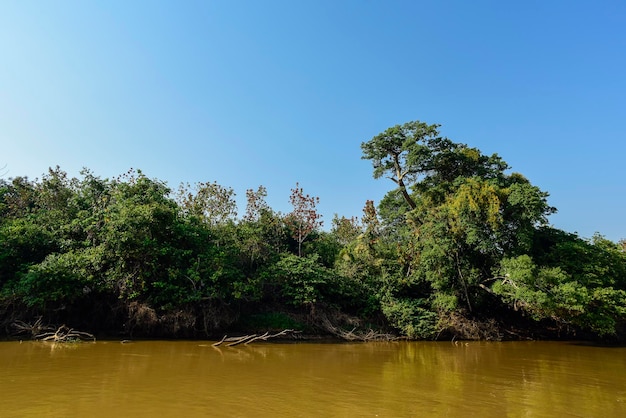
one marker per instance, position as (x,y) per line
(399,152)
(464,211)
(418,159)
(304,218)
(255,203)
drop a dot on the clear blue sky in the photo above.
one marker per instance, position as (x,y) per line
(250,93)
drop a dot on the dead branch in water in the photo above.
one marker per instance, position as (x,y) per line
(65,334)
(247,339)
(23,328)
(352,335)
(242,340)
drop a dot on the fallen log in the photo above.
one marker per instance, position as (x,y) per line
(247,339)
(243,340)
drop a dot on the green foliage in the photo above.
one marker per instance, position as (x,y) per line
(210,202)
(259,241)
(593,262)
(302,280)
(62,278)
(525,286)
(137,233)
(549,292)
(457,236)
(607,310)
(23,242)
(325,245)
(401,150)
(411,316)
(457,216)
(345,230)
(360,274)
(444,302)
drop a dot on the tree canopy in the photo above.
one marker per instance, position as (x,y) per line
(459,247)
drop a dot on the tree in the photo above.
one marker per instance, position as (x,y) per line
(370,221)
(210,202)
(256,204)
(399,152)
(345,229)
(17,197)
(461,212)
(302,280)
(593,303)
(416,158)
(304,218)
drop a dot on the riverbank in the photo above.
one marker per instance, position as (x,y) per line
(316,323)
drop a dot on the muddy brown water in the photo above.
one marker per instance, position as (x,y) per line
(399,379)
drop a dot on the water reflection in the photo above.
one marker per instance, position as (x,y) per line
(331,380)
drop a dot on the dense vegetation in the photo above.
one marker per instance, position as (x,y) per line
(460,247)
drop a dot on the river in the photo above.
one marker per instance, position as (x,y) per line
(397,379)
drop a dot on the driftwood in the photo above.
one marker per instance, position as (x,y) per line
(22,328)
(65,334)
(41,332)
(353,335)
(247,339)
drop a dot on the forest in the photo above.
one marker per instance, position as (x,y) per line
(459,248)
